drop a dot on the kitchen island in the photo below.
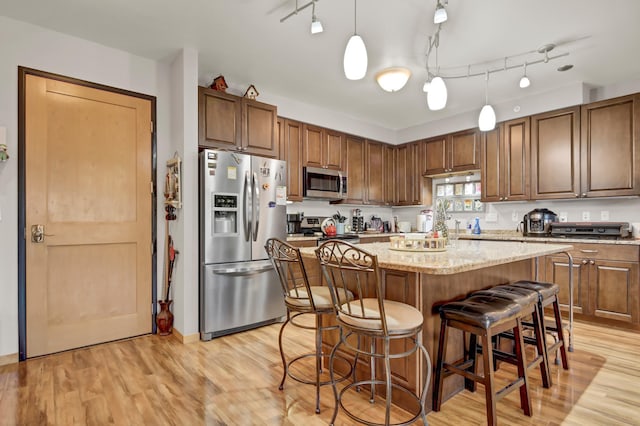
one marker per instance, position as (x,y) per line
(429,280)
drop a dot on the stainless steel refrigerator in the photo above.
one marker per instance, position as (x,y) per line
(242,204)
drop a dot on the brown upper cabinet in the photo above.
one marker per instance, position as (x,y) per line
(455,152)
(505,161)
(610,144)
(389,175)
(374,169)
(555,154)
(232,122)
(411,188)
(354,153)
(322,147)
(290,132)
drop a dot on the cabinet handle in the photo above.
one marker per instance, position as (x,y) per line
(577,195)
(588,251)
(592,262)
(505,198)
(584,194)
(585,261)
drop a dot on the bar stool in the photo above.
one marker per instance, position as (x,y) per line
(548,295)
(483,316)
(528,301)
(300,298)
(382,322)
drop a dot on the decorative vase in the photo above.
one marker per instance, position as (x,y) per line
(340,228)
(164,318)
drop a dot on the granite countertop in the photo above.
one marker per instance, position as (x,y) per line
(467,255)
(517,236)
(362,236)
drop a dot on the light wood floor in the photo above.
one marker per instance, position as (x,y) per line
(234,381)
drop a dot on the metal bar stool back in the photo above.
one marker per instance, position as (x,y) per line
(301,298)
(348,268)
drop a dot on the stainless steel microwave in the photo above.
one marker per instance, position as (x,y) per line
(324,184)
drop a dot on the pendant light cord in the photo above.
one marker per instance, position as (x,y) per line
(355,14)
(486,88)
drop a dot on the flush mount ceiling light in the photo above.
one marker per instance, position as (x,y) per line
(393,79)
(355,54)
(440,15)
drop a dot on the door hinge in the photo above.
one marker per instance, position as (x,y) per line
(151,186)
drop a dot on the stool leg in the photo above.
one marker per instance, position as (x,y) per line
(318,360)
(563,345)
(439,379)
(387,378)
(372,366)
(525,400)
(541,346)
(284,361)
(489,385)
(333,379)
(427,379)
(469,384)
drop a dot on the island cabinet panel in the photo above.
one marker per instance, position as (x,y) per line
(355,155)
(290,132)
(610,158)
(389,175)
(555,154)
(322,147)
(606,282)
(375,176)
(232,122)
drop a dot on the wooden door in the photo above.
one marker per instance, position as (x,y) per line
(464,151)
(291,152)
(416,156)
(610,147)
(516,159)
(403,178)
(259,130)
(354,152)
(389,175)
(88,183)
(220,118)
(435,156)
(614,290)
(491,165)
(333,150)
(555,154)
(312,140)
(557,271)
(375,177)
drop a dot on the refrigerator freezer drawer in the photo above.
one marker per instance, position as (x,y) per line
(238,296)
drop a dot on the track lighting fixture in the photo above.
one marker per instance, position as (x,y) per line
(316,25)
(487,117)
(524,81)
(355,55)
(440,15)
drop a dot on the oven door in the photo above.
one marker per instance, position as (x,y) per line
(324,183)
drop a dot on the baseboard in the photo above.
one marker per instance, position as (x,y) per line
(190,338)
(9,359)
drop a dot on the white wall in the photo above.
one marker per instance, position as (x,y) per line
(35,47)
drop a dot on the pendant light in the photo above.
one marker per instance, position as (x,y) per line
(316,25)
(487,117)
(437,90)
(440,15)
(524,81)
(355,55)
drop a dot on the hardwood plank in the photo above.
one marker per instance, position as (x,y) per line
(234,380)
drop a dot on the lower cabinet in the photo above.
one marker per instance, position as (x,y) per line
(606,282)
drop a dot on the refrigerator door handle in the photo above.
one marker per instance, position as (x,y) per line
(243,271)
(256,206)
(248,211)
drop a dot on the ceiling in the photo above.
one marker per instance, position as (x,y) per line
(245,41)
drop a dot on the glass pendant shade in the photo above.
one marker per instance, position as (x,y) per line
(355,58)
(316,26)
(487,118)
(440,15)
(524,82)
(437,95)
(393,79)
(426,86)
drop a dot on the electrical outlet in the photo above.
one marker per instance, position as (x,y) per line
(604,215)
(564,217)
(515,216)
(586,216)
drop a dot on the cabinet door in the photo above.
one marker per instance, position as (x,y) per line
(333,150)
(354,152)
(374,167)
(312,140)
(490,166)
(557,271)
(403,179)
(291,144)
(389,175)
(515,166)
(464,151)
(417,182)
(555,154)
(259,130)
(610,142)
(435,156)
(614,290)
(219,119)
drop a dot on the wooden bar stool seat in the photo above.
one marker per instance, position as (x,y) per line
(548,294)
(483,316)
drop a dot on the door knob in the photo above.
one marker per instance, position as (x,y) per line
(37,234)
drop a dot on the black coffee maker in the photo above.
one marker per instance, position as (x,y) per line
(294,221)
(537,223)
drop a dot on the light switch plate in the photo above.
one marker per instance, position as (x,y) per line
(604,215)
(586,216)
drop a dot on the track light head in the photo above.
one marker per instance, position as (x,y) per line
(440,15)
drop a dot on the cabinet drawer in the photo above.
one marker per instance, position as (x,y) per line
(606,252)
